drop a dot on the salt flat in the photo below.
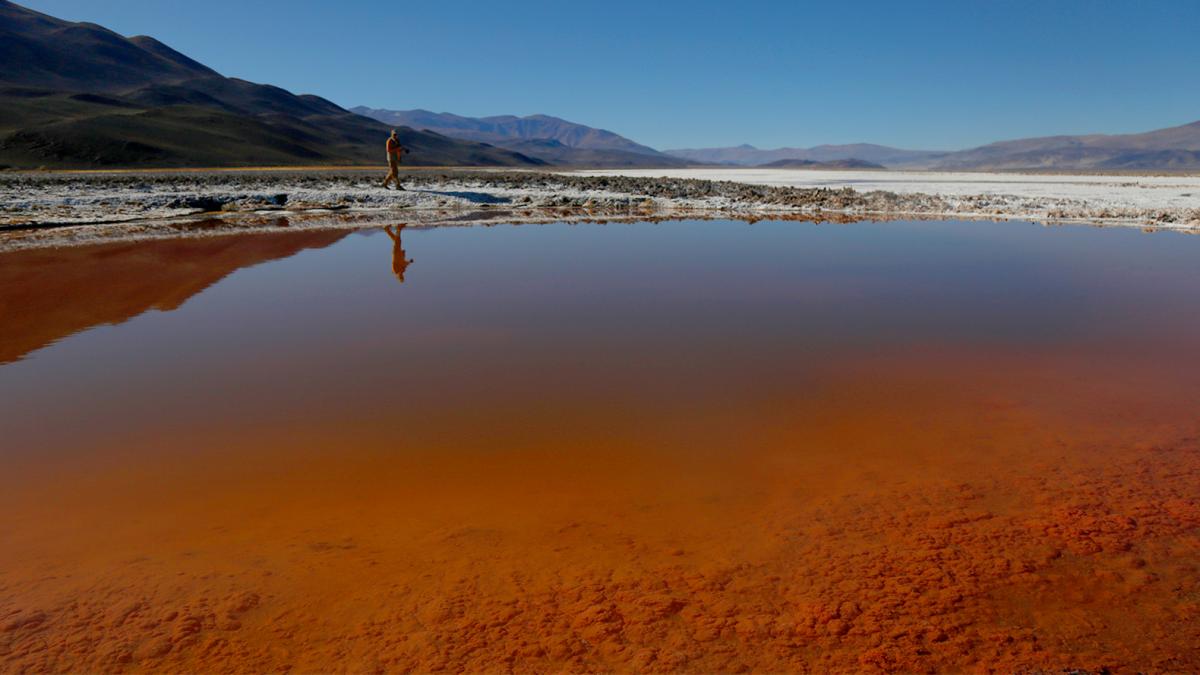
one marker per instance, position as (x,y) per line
(1098,191)
(44,209)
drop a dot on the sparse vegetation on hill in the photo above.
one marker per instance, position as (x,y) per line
(77,95)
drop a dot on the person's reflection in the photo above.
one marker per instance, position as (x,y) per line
(400,262)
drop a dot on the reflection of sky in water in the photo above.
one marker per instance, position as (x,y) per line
(611,310)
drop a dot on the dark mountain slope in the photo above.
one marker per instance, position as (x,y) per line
(118,134)
(42,51)
(75,95)
(155,47)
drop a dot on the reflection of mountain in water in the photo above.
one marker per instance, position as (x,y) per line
(48,294)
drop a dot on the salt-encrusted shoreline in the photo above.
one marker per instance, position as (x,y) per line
(64,209)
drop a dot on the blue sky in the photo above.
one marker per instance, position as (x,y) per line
(910,73)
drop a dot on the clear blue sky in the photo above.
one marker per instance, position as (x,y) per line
(910,73)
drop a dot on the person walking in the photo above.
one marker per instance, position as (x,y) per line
(394,151)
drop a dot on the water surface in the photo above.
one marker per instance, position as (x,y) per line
(676,446)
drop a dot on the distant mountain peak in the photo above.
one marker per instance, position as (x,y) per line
(552,138)
(43,51)
(501,128)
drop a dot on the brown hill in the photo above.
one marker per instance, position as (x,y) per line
(552,139)
(1171,148)
(77,95)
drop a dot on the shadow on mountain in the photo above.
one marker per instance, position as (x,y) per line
(46,295)
(77,95)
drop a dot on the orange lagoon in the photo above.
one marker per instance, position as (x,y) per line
(683,446)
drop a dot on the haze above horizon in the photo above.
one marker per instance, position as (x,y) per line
(929,75)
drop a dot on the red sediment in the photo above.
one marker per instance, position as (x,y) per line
(1093,569)
(978,512)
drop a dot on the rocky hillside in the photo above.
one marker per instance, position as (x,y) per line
(77,95)
(1175,148)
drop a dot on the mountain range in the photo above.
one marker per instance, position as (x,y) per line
(1172,149)
(748,155)
(548,138)
(77,95)
(830,164)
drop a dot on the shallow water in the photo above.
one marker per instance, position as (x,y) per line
(677,446)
